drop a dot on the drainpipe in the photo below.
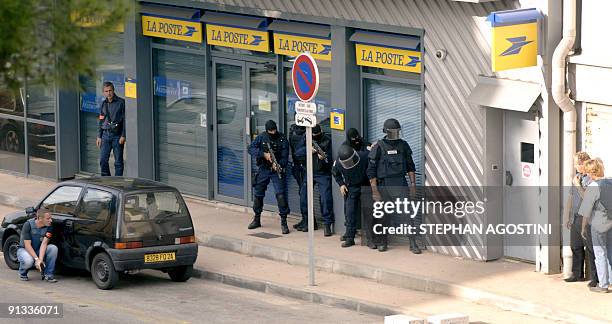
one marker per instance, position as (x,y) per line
(564,102)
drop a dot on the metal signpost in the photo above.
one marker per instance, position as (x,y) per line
(305,77)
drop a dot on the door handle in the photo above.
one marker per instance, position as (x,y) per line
(247,126)
(509,178)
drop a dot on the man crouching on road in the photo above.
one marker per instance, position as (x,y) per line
(34,248)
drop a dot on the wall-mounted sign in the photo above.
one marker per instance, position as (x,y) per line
(249,39)
(93,21)
(130,88)
(514,39)
(293,45)
(527,170)
(336,117)
(184,30)
(388,58)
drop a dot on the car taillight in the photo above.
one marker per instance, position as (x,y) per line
(128,245)
(185,239)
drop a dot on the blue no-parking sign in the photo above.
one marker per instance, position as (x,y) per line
(305,77)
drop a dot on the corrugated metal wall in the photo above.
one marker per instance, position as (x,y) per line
(454,129)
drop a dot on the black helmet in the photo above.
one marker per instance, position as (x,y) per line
(392,128)
(348,157)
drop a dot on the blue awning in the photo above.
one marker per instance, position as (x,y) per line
(296,28)
(170,12)
(513,17)
(231,20)
(387,40)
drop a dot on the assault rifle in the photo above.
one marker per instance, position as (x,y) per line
(319,151)
(275,165)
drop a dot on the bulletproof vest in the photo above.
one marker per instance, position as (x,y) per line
(275,144)
(392,162)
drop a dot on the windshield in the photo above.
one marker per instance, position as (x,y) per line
(151,214)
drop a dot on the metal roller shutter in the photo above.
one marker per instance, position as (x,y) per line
(385,100)
(179,87)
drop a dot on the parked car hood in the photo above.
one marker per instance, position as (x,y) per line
(17,217)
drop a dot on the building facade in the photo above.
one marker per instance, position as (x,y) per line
(201,78)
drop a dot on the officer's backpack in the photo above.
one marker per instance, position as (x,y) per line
(605,195)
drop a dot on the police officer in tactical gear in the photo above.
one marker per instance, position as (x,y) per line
(261,149)
(349,171)
(354,140)
(321,168)
(297,143)
(389,161)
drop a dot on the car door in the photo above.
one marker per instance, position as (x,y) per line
(92,222)
(62,203)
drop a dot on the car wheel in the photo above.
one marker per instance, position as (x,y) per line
(103,271)
(180,274)
(11,245)
(12,141)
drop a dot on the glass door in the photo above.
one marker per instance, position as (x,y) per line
(230,132)
(245,98)
(262,91)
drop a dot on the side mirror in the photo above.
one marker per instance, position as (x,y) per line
(30,210)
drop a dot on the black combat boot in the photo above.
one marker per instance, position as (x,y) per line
(328,230)
(414,248)
(348,242)
(372,245)
(284,227)
(382,247)
(304,227)
(300,224)
(343,238)
(256,222)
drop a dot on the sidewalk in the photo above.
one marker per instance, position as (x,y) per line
(500,284)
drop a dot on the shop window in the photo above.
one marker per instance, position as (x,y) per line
(41,102)
(41,150)
(111,69)
(12,102)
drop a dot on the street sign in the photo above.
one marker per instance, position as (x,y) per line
(302,107)
(305,77)
(305,120)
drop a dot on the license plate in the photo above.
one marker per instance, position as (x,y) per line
(160,257)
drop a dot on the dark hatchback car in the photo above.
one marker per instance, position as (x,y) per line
(112,225)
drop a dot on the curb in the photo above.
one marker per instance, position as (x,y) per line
(304,294)
(388,277)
